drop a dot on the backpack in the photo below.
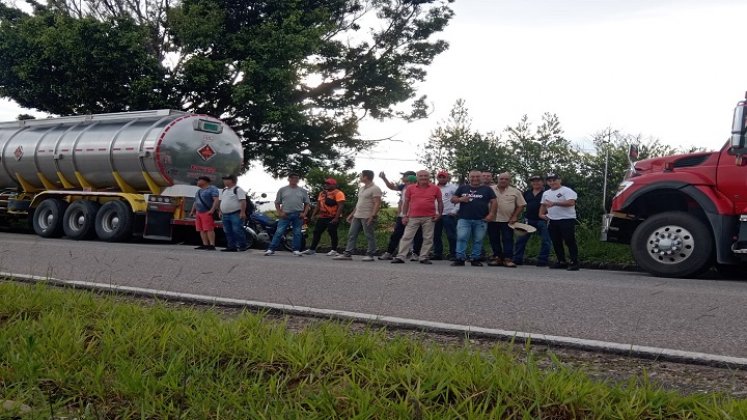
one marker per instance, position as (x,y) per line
(250,207)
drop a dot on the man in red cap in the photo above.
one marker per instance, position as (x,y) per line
(327,216)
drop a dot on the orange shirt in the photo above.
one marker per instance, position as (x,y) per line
(325,209)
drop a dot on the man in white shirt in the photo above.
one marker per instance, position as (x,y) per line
(448,221)
(232,206)
(559,209)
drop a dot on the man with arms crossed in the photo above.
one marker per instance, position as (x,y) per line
(292,206)
(510,205)
(533,197)
(559,210)
(422,207)
(477,206)
(364,217)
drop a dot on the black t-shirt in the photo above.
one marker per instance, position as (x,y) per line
(479,205)
(533,204)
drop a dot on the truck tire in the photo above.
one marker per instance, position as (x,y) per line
(114,222)
(47,218)
(79,221)
(673,244)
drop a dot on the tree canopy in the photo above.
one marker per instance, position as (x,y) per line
(293,77)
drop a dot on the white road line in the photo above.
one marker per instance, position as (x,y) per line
(407,323)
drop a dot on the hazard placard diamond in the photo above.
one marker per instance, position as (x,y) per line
(206,152)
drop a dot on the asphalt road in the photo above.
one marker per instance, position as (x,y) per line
(708,316)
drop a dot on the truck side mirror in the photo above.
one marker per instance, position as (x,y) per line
(738,127)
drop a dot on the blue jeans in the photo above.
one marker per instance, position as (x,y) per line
(470,228)
(446,223)
(545,244)
(501,238)
(234,230)
(294,219)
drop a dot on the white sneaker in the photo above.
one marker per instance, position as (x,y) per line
(367,258)
(308,252)
(333,253)
(298,253)
(269,252)
(343,257)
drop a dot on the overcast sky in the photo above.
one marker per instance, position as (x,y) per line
(672,70)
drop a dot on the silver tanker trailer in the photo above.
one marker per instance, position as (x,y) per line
(111,176)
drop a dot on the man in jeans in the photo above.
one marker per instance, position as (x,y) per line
(206,203)
(364,217)
(448,221)
(291,204)
(327,215)
(533,197)
(233,214)
(477,206)
(559,210)
(421,207)
(510,204)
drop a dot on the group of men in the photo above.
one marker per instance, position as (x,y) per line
(426,211)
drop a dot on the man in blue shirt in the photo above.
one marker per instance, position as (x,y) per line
(533,197)
(206,202)
(477,206)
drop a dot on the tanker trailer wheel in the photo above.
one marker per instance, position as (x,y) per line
(47,218)
(79,221)
(673,244)
(114,222)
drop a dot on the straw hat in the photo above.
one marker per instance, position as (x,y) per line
(522,229)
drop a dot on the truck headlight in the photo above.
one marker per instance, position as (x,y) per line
(623,186)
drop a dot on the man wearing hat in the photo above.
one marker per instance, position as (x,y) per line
(510,204)
(559,210)
(327,215)
(448,221)
(233,213)
(408,178)
(533,197)
(292,205)
(205,205)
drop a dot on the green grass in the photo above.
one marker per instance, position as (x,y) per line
(73,353)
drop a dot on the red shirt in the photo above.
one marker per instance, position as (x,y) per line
(422,200)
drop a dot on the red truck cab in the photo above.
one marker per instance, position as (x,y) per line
(684,214)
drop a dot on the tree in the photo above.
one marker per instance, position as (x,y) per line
(453,145)
(293,77)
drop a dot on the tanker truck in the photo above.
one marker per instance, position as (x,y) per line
(111,176)
(684,214)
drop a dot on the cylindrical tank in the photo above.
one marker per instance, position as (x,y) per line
(101,151)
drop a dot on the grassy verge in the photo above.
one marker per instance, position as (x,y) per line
(69,353)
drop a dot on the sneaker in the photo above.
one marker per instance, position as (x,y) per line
(508,263)
(201,247)
(243,248)
(297,254)
(574,266)
(269,252)
(210,248)
(385,256)
(427,262)
(476,263)
(229,250)
(367,258)
(559,265)
(396,260)
(457,263)
(414,257)
(308,252)
(343,257)
(332,253)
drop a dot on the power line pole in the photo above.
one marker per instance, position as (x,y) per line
(606,167)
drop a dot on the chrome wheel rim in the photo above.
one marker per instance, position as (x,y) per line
(670,244)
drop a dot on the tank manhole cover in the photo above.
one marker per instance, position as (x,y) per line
(206,152)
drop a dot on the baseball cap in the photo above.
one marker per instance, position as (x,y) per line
(409,173)
(442,173)
(412,178)
(231,177)
(535,178)
(552,175)
(330,181)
